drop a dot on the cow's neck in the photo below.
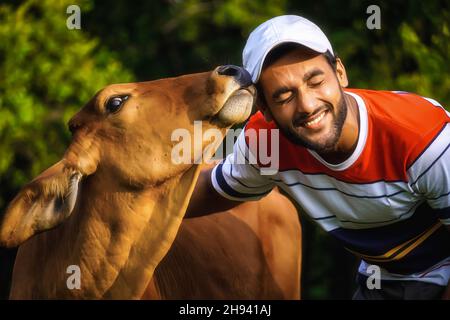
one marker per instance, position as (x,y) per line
(116,238)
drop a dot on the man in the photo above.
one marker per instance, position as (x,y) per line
(370,167)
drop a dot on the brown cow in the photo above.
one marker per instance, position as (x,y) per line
(115,202)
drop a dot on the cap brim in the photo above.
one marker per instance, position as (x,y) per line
(258,67)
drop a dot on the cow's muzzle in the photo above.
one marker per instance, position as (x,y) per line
(240,74)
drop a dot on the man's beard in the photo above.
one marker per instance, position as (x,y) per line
(330,144)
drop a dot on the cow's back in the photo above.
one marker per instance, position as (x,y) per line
(250,252)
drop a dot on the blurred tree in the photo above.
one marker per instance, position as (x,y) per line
(166,38)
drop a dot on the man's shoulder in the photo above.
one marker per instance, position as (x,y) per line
(402,121)
(404,109)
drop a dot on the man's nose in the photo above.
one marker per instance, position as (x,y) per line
(240,74)
(307,103)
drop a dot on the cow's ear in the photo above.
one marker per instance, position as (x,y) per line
(41,205)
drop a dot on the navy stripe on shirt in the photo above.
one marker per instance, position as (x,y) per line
(378,241)
(230,191)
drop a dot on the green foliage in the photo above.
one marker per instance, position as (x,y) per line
(165,38)
(428,79)
(47,73)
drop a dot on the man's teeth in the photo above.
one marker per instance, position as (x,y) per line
(316,120)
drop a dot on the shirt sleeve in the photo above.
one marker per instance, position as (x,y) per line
(430,174)
(237,178)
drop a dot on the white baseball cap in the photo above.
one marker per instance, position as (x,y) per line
(279,30)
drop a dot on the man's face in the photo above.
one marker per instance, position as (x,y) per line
(305,98)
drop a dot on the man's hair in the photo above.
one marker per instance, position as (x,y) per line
(282,50)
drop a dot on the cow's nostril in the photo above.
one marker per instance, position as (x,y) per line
(228,70)
(240,74)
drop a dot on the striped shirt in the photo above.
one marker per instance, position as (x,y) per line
(388,203)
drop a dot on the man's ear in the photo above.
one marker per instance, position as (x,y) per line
(42,204)
(341,73)
(262,106)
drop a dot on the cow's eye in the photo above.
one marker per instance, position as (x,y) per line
(115,103)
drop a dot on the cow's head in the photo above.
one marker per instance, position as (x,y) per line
(122,141)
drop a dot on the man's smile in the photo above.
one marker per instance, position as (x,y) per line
(315,121)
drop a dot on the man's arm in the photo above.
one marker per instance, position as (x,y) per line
(228,183)
(205,199)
